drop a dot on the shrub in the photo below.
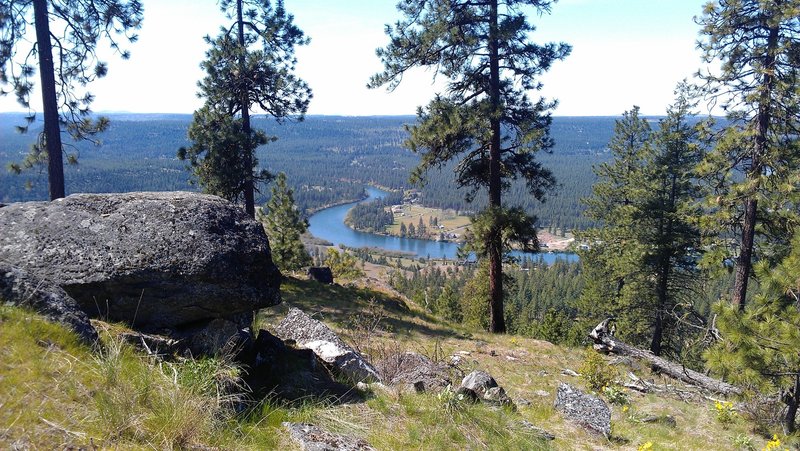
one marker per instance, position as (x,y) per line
(596,372)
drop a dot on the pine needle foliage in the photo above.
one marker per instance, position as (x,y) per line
(249,67)
(284,226)
(753,166)
(641,265)
(65,52)
(484,119)
(761,343)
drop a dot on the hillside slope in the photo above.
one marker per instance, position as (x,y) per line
(56,393)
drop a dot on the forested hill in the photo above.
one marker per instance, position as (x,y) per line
(327,159)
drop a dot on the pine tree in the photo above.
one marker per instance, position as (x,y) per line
(284,226)
(760,345)
(485,118)
(240,76)
(757,43)
(642,259)
(67,35)
(343,264)
(403,230)
(447,304)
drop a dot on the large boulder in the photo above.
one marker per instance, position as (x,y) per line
(158,261)
(19,288)
(311,334)
(584,409)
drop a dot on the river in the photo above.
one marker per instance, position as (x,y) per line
(328,224)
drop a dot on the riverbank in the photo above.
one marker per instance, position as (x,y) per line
(329,225)
(448,226)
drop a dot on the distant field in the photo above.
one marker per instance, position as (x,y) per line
(411,214)
(455,223)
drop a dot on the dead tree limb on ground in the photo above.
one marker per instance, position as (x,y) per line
(604,341)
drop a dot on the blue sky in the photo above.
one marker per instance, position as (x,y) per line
(625,52)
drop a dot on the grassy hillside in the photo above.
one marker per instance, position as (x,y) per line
(57,393)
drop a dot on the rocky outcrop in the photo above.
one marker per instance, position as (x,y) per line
(311,334)
(17,287)
(414,370)
(480,386)
(583,409)
(314,438)
(169,261)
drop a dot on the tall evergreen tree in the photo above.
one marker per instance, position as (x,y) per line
(760,346)
(284,226)
(647,244)
(484,117)
(250,66)
(67,35)
(613,263)
(758,43)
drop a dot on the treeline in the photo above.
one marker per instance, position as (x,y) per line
(327,160)
(540,298)
(374,216)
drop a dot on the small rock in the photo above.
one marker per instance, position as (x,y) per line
(537,430)
(493,353)
(541,393)
(666,420)
(287,373)
(311,334)
(479,385)
(314,438)
(522,402)
(511,358)
(414,369)
(321,274)
(584,409)
(569,372)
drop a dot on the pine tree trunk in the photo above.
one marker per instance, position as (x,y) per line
(792,400)
(497,321)
(52,129)
(744,262)
(249,189)
(658,323)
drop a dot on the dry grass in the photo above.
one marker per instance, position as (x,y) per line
(55,393)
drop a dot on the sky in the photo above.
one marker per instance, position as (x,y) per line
(625,53)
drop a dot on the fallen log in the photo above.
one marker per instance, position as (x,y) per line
(604,341)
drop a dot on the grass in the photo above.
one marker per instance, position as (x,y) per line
(57,393)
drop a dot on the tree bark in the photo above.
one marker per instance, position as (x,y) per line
(52,128)
(744,263)
(248,186)
(792,400)
(605,342)
(497,321)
